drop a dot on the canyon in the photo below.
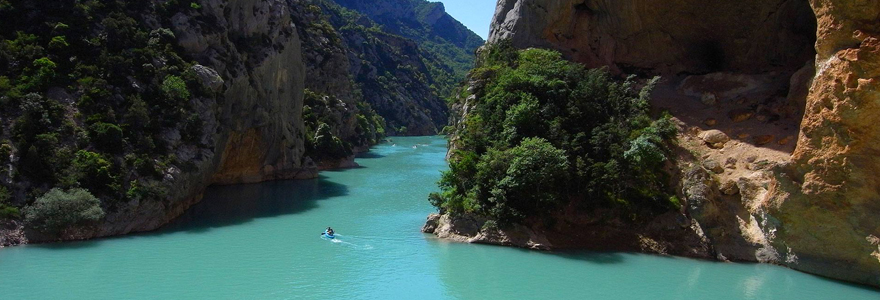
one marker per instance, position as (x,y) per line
(776,101)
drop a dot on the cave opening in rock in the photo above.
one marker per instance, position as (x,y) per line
(712,55)
(742,68)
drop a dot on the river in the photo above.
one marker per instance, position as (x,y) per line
(261,241)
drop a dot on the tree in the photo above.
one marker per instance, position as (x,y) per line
(94,172)
(107,136)
(533,183)
(174,87)
(328,145)
(545,131)
(57,210)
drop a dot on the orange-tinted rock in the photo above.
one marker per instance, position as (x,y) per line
(740,115)
(830,207)
(762,140)
(819,213)
(785,140)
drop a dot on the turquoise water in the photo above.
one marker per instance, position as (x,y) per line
(262,241)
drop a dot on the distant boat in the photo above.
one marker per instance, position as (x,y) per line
(414,147)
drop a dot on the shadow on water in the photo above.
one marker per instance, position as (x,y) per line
(239,204)
(591,257)
(369,155)
(68,245)
(234,205)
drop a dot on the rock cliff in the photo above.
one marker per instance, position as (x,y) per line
(661,36)
(777,101)
(151,102)
(253,128)
(828,199)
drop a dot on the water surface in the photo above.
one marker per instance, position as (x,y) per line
(262,241)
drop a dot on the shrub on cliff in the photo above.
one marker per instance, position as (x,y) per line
(544,131)
(58,209)
(328,145)
(7,211)
(85,83)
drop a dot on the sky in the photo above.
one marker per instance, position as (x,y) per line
(475,14)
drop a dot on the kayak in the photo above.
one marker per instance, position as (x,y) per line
(329,236)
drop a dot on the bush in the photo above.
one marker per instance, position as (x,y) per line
(58,209)
(175,88)
(545,131)
(108,137)
(7,211)
(329,146)
(533,182)
(94,172)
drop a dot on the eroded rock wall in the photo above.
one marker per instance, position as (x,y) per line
(253,44)
(816,212)
(665,37)
(828,200)
(250,54)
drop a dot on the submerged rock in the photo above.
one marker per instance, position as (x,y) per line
(468,228)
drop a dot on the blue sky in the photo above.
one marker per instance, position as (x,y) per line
(475,14)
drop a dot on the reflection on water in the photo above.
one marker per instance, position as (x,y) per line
(262,241)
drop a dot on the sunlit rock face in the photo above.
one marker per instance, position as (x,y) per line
(818,211)
(829,199)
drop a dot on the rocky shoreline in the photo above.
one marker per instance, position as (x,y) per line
(13,233)
(471,229)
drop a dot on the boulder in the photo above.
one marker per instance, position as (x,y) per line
(713,165)
(208,77)
(714,136)
(729,187)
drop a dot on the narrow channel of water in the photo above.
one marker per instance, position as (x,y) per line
(262,241)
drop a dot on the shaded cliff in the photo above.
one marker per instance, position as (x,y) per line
(428,24)
(399,77)
(145,104)
(136,124)
(662,36)
(775,100)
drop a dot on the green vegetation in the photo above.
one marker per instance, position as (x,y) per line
(7,211)
(443,38)
(324,114)
(396,75)
(545,132)
(57,210)
(84,85)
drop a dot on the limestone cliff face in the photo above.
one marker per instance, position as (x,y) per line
(665,37)
(255,46)
(816,209)
(250,53)
(829,199)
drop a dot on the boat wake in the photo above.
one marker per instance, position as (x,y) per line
(339,241)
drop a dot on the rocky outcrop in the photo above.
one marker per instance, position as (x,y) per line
(253,127)
(665,37)
(814,210)
(474,229)
(828,199)
(327,67)
(667,234)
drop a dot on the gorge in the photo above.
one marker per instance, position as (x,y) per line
(771,97)
(122,116)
